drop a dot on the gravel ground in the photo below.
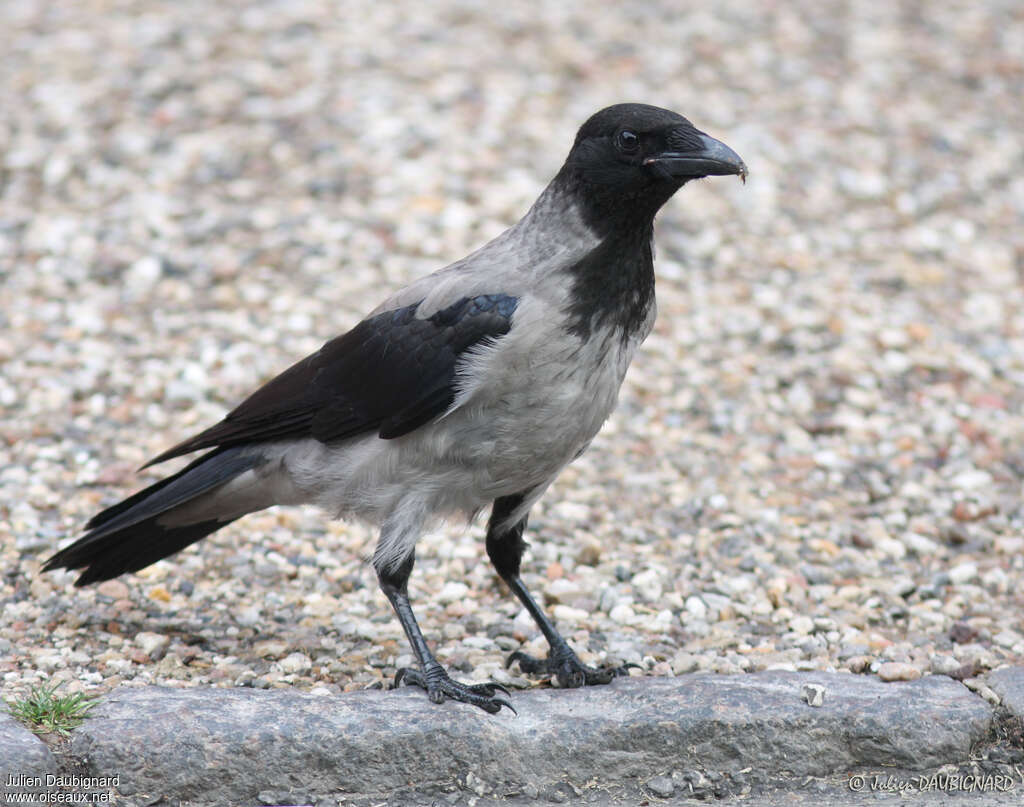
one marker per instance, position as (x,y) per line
(817,460)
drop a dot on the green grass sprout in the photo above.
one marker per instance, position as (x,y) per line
(44,711)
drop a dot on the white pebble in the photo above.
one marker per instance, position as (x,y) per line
(898,671)
(944,665)
(695,605)
(920,544)
(683,662)
(562,589)
(564,613)
(295,663)
(452,591)
(152,644)
(1009,639)
(648,585)
(972,480)
(813,694)
(963,572)
(623,614)
(143,274)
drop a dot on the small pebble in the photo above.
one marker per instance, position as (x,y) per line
(295,663)
(661,786)
(898,671)
(269,648)
(945,665)
(813,694)
(963,573)
(590,553)
(695,606)
(683,662)
(115,589)
(982,689)
(153,645)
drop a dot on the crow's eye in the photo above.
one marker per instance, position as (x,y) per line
(628,141)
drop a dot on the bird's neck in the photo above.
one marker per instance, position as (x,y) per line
(612,282)
(612,287)
(609,261)
(611,211)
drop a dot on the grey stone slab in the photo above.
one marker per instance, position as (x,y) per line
(229,745)
(25,761)
(1008,684)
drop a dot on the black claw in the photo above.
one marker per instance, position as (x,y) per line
(502,702)
(489,688)
(527,663)
(565,666)
(439,686)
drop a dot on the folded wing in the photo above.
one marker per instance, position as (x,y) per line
(392,373)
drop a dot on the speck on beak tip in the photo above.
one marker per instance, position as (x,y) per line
(711,158)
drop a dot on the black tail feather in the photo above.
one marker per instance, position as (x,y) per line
(128,549)
(137,532)
(205,473)
(124,505)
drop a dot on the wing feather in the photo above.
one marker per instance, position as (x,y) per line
(392,373)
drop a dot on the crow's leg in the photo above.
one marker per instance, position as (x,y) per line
(432,676)
(505,546)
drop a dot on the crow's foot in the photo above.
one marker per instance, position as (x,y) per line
(438,685)
(565,666)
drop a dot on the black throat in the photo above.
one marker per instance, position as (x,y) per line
(613,286)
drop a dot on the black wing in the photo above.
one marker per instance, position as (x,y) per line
(391,373)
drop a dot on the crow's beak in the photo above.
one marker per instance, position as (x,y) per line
(710,158)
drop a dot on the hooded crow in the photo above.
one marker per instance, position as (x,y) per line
(473,386)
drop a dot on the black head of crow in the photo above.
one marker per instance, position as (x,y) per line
(470,387)
(629,159)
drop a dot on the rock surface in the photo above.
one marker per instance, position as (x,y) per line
(231,745)
(22,754)
(1008,684)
